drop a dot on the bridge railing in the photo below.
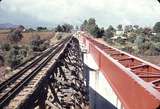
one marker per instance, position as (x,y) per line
(135,82)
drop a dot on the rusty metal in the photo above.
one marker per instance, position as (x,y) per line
(135,81)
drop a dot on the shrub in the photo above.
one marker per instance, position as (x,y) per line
(128,49)
(59,37)
(15,58)
(38,44)
(156,38)
(153,50)
(5,47)
(120,40)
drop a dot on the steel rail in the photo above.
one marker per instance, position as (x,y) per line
(4,100)
(10,80)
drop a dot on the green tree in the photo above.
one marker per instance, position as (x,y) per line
(5,46)
(77,28)
(154,49)
(156,27)
(92,28)
(100,33)
(111,28)
(156,38)
(30,30)
(58,29)
(84,25)
(38,44)
(108,34)
(15,58)
(128,28)
(67,27)
(139,40)
(15,35)
(120,40)
(119,27)
(136,26)
(64,28)
(41,28)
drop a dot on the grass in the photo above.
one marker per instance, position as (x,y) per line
(26,36)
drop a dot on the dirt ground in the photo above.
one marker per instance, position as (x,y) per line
(27,36)
(152,59)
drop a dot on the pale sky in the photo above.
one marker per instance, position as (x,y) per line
(53,12)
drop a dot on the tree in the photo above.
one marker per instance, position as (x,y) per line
(84,25)
(136,26)
(91,22)
(38,44)
(58,29)
(154,49)
(156,27)
(119,27)
(64,28)
(77,28)
(108,34)
(67,27)
(15,57)
(132,37)
(139,40)
(5,46)
(156,38)
(157,47)
(100,33)
(31,30)
(92,28)
(147,31)
(15,35)
(111,28)
(128,28)
(1,61)
(120,40)
(41,28)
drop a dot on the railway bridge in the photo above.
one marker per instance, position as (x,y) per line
(82,73)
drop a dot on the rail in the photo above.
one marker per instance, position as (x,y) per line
(12,86)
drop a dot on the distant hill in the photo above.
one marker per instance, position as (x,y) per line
(7,26)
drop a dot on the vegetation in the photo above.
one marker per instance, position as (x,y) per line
(20,46)
(38,44)
(5,46)
(64,28)
(41,28)
(15,56)
(131,38)
(15,35)
(156,27)
(91,26)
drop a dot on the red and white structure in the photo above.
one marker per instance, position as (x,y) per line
(124,80)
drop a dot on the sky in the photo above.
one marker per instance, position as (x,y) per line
(53,12)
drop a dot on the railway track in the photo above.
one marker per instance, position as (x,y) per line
(12,86)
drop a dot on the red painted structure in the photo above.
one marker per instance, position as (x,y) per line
(135,81)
